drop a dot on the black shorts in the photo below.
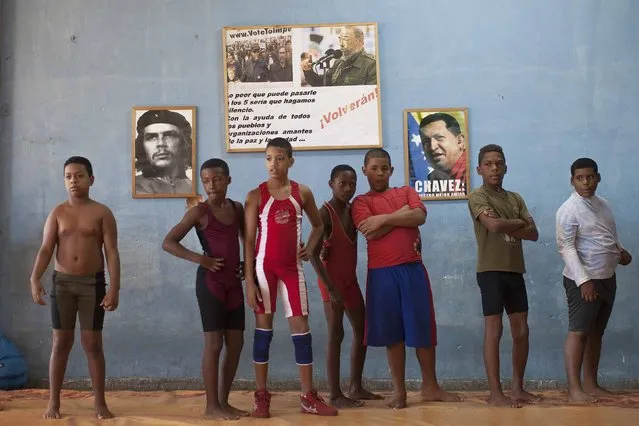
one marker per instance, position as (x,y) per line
(216,314)
(75,296)
(501,290)
(590,316)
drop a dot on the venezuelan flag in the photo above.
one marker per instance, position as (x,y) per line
(417,163)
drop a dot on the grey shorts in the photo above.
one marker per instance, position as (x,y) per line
(590,316)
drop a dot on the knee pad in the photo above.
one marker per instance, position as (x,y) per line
(261,345)
(303,348)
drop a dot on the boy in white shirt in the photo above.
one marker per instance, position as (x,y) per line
(589,246)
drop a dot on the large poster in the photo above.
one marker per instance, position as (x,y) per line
(436,151)
(316,85)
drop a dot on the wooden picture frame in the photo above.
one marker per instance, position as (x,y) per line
(436,152)
(164,146)
(267,95)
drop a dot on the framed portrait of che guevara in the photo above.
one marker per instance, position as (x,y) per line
(164,147)
(436,152)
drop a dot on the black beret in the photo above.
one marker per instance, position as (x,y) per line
(161,116)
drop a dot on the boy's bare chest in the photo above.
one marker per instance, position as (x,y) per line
(79,225)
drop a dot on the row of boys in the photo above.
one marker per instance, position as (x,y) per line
(399,306)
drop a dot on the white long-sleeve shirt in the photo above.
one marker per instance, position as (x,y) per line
(587,238)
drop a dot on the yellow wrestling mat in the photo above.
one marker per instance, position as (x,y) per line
(25,408)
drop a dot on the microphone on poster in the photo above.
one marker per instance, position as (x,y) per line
(328,55)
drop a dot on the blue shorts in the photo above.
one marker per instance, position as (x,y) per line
(399,307)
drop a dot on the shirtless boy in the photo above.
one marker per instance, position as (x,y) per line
(78,230)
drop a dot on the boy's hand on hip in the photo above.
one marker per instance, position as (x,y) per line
(240,271)
(417,245)
(212,263)
(302,252)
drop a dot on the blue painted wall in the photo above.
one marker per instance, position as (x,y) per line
(548,80)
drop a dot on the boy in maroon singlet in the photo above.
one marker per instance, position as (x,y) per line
(219,224)
(334,257)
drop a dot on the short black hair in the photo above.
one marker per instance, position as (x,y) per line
(281,143)
(377,153)
(342,168)
(451,122)
(584,163)
(216,163)
(82,161)
(490,148)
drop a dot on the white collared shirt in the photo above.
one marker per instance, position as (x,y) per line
(587,238)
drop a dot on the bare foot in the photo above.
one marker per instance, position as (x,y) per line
(102,412)
(53,411)
(397,402)
(598,391)
(580,397)
(217,413)
(502,401)
(438,394)
(235,411)
(344,402)
(523,396)
(363,394)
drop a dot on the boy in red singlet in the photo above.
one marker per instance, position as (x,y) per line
(275,210)
(219,224)
(334,257)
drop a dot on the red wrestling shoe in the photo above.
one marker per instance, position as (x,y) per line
(312,403)
(261,408)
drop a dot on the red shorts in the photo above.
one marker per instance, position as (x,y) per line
(289,281)
(350,292)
